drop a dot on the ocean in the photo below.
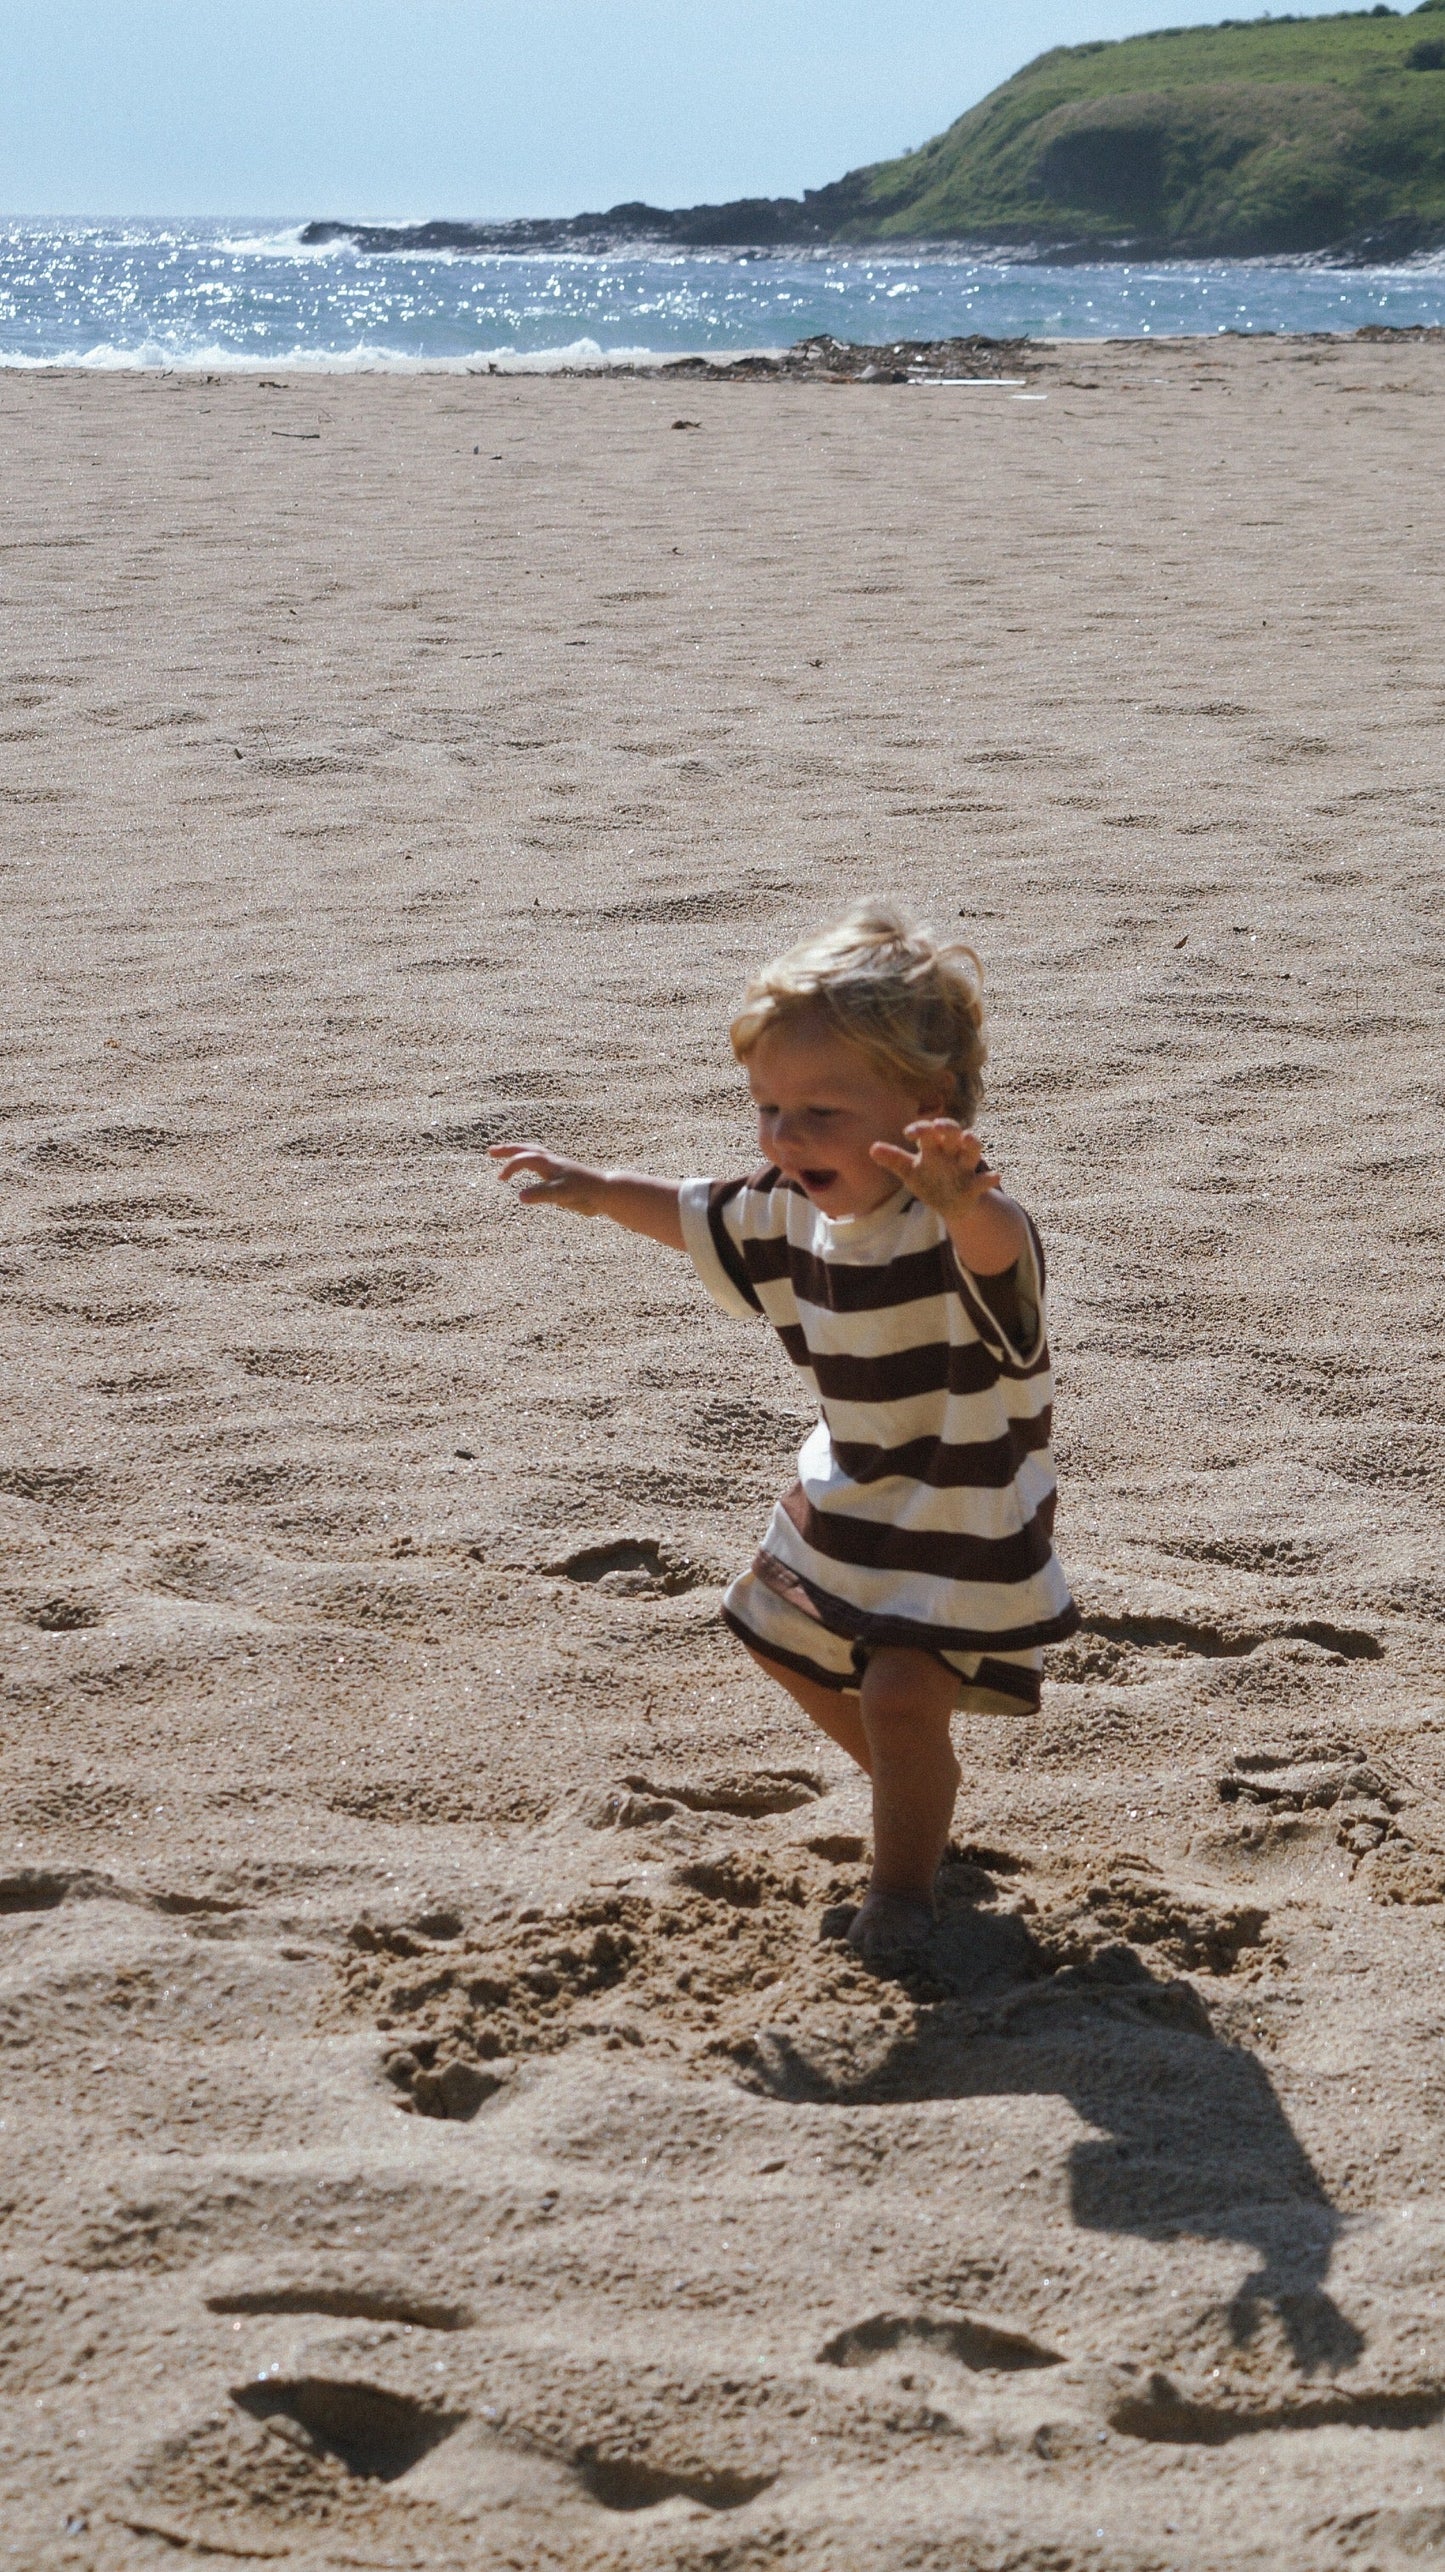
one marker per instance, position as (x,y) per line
(219,295)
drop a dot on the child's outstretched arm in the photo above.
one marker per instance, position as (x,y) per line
(947,1169)
(638,1203)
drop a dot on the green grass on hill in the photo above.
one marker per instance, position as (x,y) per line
(1273,135)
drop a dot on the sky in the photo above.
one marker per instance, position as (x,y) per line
(495,107)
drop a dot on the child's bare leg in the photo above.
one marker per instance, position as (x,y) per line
(832,1712)
(906,1706)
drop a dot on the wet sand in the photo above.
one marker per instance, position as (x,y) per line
(434,2130)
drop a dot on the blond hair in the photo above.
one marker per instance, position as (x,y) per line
(909,1000)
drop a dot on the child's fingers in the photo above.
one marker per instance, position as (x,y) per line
(942,1139)
(946,1156)
(558,1189)
(944,1134)
(547,1184)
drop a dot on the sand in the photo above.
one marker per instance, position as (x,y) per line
(435,2130)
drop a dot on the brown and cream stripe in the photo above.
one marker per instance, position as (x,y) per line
(924,1508)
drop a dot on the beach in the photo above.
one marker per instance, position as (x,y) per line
(436,2128)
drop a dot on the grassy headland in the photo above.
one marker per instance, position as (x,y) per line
(1277,135)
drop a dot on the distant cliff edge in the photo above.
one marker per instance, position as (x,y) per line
(1270,136)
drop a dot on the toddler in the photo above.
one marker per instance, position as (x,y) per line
(910,1571)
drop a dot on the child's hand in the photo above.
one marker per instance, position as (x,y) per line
(554,1182)
(639,1204)
(947,1170)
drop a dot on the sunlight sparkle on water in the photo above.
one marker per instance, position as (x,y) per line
(249,294)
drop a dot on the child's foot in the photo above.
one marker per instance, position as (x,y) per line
(890,1923)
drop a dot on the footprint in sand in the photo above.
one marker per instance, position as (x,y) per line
(632,1567)
(1129,1901)
(433,2084)
(675,910)
(968,2340)
(34,1889)
(1329,1797)
(1276,1555)
(54,1482)
(375,2434)
(347,2304)
(1216,1639)
(631,2483)
(372,1290)
(1360,1802)
(640,1800)
(1164,2414)
(65,1615)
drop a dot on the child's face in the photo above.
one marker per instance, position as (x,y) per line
(821,1104)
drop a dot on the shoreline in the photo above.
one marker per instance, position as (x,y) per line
(794,363)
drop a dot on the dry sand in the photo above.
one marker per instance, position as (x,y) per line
(434,2132)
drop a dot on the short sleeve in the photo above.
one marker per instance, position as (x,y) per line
(712,1213)
(1032,1322)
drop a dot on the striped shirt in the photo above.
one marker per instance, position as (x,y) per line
(924,1506)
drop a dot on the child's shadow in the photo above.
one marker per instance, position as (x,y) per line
(1190,2136)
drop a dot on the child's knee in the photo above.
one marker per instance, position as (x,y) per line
(905,1696)
(889,1708)
(908,1691)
